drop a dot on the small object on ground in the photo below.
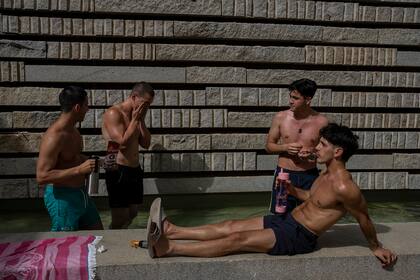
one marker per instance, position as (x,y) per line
(139,243)
(102,249)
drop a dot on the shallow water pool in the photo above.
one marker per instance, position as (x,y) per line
(201,213)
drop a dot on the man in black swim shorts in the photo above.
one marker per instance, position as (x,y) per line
(293,135)
(124,129)
(332,195)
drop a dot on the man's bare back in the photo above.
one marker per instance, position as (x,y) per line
(66,142)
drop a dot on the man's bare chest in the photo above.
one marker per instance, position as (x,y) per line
(306,134)
(323,195)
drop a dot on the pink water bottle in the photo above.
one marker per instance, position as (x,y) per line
(281,197)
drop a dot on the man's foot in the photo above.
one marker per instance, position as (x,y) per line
(162,247)
(168,228)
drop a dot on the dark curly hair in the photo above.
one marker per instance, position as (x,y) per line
(305,87)
(341,136)
(70,96)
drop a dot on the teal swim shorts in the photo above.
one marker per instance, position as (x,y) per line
(70,208)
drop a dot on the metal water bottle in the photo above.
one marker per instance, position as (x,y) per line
(93,180)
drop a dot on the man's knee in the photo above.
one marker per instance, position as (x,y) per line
(228,226)
(236,241)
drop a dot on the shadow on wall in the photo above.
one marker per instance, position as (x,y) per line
(180,163)
(347,235)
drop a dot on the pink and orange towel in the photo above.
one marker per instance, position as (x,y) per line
(71,257)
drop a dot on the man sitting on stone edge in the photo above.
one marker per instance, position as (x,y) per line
(332,195)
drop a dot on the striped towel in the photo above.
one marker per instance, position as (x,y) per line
(71,257)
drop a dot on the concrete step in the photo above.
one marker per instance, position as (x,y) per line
(342,254)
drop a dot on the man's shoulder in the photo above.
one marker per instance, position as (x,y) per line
(320,119)
(113,112)
(54,134)
(344,184)
(282,114)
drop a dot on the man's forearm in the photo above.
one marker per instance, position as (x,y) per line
(130,132)
(369,231)
(144,137)
(276,148)
(57,175)
(301,194)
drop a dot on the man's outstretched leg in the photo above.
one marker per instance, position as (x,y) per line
(261,241)
(212,231)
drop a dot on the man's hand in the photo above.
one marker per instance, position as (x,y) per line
(293,148)
(290,189)
(307,155)
(135,114)
(143,109)
(385,256)
(87,167)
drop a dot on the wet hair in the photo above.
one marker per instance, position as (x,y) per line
(71,96)
(305,87)
(341,136)
(142,88)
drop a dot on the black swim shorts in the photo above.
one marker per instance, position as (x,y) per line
(291,237)
(125,186)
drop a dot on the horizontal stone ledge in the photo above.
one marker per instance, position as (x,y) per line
(210,118)
(216,96)
(101,74)
(211,75)
(225,161)
(23,49)
(343,246)
(28,188)
(394,161)
(352,120)
(312,33)
(206,30)
(339,11)
(25,142)
(408,58)
(158,162)
(12,71)
(334,78)
(334,55)
(176,52)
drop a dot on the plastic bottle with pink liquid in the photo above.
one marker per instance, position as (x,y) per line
(281,197)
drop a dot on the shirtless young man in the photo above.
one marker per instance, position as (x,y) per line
(332,195)
(123,125)
(62,167)
(298,131)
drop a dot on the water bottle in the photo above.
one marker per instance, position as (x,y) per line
(93,180)
(110,160)
(281,197)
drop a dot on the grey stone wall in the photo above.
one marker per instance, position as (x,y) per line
(221,70)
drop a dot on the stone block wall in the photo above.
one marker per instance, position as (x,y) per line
(221,70)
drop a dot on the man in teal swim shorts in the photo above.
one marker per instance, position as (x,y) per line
(61,167)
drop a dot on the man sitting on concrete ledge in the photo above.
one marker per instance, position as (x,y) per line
(332,195)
